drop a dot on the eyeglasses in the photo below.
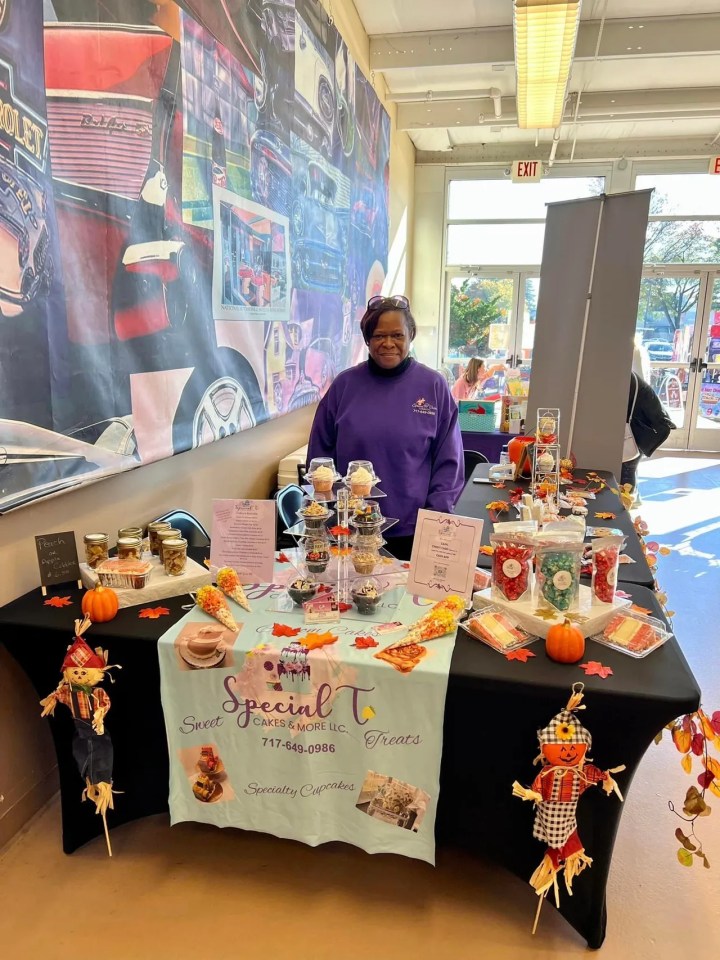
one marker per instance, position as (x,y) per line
(395,337)
(398,303)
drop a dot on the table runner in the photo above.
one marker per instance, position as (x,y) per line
(309,744)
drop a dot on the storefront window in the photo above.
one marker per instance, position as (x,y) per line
(671,240)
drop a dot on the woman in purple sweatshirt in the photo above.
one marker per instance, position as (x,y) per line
(399,414)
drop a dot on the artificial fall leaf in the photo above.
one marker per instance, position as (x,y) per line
(340,551)
(487,551)
(711,726)
(715,722)
(522,654)
(694,805)
(315,640)
(338,531)
(498,506)
(499,486)
(705,778)
(58,602)
(604,515)
(686,763)
(664,551)
(344,607)
(636,609)
(685,841)
(282,630)
(365,643)
(576,618)
(682,738)
(153,613)
(593,668)
(545,613)
(685,857)
(658,738)
(697,744)
(713,767)
(406,566)
(282,558)
(623,595)
(367,713)
(206,561)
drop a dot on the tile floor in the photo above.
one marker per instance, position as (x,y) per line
(200,893)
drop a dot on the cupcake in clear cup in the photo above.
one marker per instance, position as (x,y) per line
(317,555)
(361,477)
(366,595)
(301,590)
(314,515)
(322,474)
(367,517)
(364,558)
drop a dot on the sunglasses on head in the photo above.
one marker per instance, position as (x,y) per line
(393,303)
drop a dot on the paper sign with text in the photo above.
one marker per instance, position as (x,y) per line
(57,558)
(444,555)
(243,537)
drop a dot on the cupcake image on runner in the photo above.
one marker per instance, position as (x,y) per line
(207,777)
(393,801)
(229,582)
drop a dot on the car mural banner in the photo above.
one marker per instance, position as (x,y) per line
(216,220)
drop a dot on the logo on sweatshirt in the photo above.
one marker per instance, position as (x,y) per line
(422,406)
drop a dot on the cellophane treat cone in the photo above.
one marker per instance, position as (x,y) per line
(211,601)
(229,582)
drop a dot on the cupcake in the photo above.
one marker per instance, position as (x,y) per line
(545,462)
(300,591)
(314,514)
(322,479)
(367,516)
(361,482)
(365,595)
(364,561)
(317,557)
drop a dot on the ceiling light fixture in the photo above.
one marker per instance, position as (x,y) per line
(545,33)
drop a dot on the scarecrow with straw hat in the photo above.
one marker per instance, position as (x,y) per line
(564,777)
(82,670)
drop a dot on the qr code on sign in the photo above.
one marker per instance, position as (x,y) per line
(439,571)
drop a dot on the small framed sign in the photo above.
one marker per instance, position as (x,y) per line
(323,609)
(57,559)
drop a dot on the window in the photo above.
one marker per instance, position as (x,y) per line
(684,224)
(477,207)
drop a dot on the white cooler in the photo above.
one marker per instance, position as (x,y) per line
(288,467)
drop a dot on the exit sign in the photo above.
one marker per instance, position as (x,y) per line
(714,165)
(527,171)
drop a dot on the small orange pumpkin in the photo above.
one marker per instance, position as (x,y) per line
(100,604)
(565,643)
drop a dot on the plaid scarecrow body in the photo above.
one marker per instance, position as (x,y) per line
(560,789)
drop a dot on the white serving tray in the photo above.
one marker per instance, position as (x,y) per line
(159,585)
(598,614)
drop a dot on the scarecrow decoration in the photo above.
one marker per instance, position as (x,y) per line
(565,775)
(83,669)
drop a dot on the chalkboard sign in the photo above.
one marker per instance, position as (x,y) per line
(57,558)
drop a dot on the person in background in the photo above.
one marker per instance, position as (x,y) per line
(471,382)
(648,420)
(399,414)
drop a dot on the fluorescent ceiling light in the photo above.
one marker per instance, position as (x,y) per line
(545,33)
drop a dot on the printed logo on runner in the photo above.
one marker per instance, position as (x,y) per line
(421,405)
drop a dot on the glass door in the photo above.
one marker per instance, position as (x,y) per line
(678,330)
(705,372)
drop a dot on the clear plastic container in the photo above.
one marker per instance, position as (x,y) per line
(498,630)
(175,556)
(605,565)
(361,477)
(558,573)
(635,634)
(96,548)
(366,594)
(124,574)
(367,517)
(301,590)
(315,515)
(129,548)
(317,555)
(322,474)
(512,572)
(153,529)
(365,559)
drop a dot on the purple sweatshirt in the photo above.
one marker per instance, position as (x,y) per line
(407,425)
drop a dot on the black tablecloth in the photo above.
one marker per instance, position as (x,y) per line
(493,710)
(476,496)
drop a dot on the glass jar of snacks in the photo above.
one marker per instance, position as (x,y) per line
(153,529)
(162,535)
(130,532)
(96,548)
(174,556)
(129,548)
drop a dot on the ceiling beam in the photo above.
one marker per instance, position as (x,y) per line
(690,103)
(677,147)
(621,39)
